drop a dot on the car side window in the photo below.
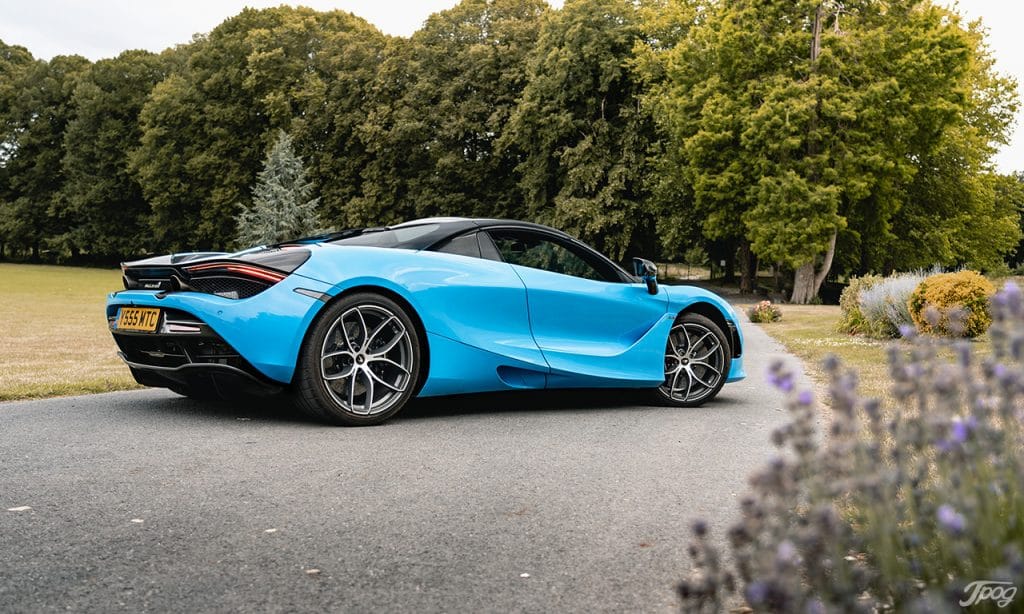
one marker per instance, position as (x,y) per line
(462,245)
(539,252)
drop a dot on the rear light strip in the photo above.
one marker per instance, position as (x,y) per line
(241,269)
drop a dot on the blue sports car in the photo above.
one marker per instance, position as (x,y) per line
(354,324)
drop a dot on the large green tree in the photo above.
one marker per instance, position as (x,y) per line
(333,104)
(36,108)
(442,101)
(101,203)
(206,127)
(584,135)
(803,125)
(13,61)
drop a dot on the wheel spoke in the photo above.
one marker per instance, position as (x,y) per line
(379,328)
(702,382)
(344,329)
(335,354)
(368,399)
(707,334)
(381,381)
(675,379)
(686,337)
(365,331)
(388,361)
(387,347)
(714,348)
(700,363)
(672,343)
(352,390)
(338,376)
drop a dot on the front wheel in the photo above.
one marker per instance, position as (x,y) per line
(360,363)
(697,362)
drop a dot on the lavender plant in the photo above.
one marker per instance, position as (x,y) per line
(884,304)
(895,508)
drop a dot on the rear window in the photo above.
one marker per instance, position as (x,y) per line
(388,237)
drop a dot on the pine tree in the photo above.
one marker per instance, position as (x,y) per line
(281,206)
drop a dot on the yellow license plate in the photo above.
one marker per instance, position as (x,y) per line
(138,318)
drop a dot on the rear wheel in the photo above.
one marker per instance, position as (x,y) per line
(697,362)
(361,362)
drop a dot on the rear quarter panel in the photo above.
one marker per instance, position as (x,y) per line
(477,305)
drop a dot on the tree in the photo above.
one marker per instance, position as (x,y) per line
(802,125)
(13,61)
(694,257)
(582,130)
(206,128)
(1009,194)
(442,102)
(102,205)
(282,207)
(36,109)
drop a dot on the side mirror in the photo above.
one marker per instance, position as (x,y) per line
(647,271)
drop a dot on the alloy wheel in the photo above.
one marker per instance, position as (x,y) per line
(694,363)
(366,361)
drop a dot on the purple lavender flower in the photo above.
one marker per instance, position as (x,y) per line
(908,331)
(960,429)
(950,519)
(783,380)
(805,397)
(1013,296)
(786,553)
(756,592)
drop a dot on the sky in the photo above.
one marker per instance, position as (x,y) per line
(103,28)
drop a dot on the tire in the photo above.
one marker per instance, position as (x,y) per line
(697,362)
(360,363)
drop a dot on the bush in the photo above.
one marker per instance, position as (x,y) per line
(884,304)
(952,304)
(898,508)
(853,320)
(764,312)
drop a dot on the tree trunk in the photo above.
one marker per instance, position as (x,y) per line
(748,269)
(807,281)
(35,252)
(730,269)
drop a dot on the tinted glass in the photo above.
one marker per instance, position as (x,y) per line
(465,245)
(388,237)
(538,252)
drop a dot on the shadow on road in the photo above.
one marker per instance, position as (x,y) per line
(280,409)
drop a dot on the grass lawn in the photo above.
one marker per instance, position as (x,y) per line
(55,338)
(809,331)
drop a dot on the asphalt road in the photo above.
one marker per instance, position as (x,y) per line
(144,501)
